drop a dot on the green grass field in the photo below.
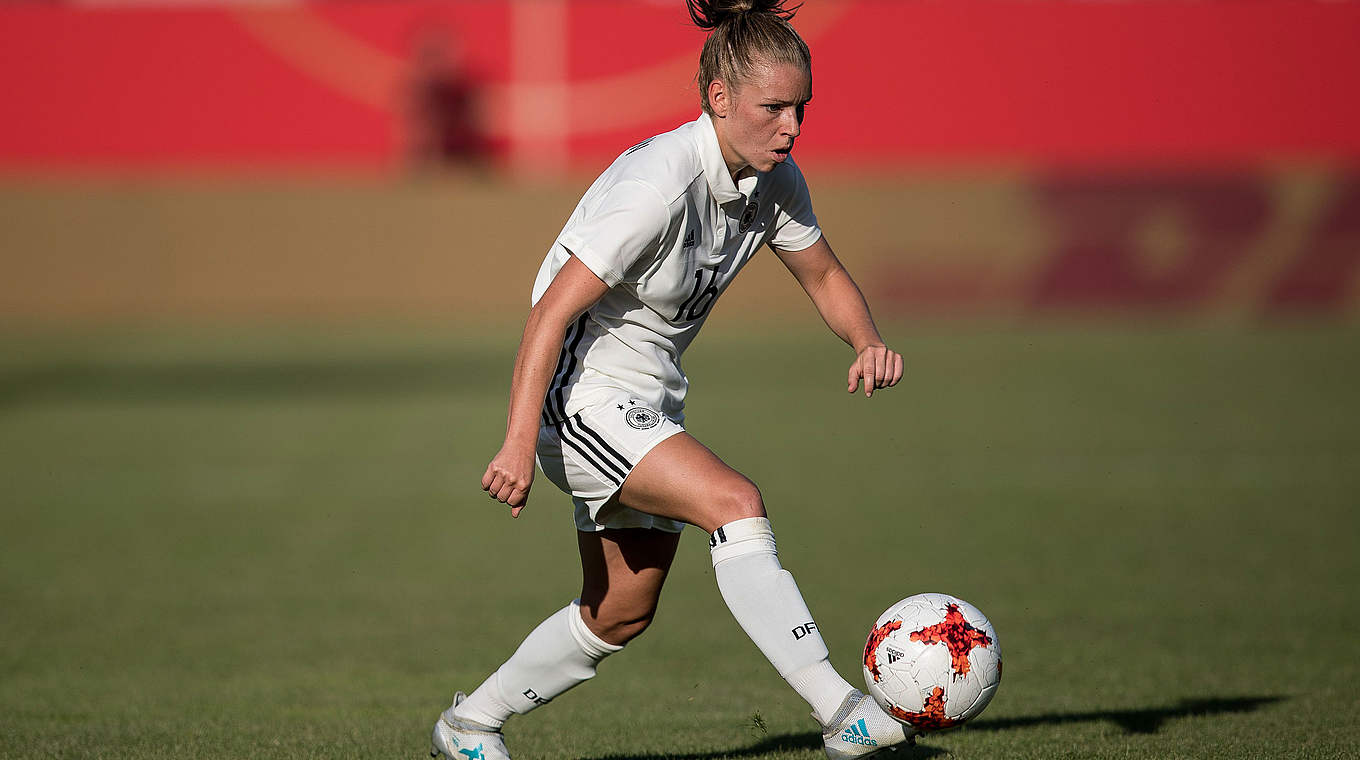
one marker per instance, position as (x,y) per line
(264,544)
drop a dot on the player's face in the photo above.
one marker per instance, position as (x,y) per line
(759,118)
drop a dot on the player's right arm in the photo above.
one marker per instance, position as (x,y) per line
(574,289)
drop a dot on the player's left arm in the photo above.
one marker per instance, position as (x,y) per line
(842,306)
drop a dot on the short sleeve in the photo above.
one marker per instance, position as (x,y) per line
(625,223)
(795,226)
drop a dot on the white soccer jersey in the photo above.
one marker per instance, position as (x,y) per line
(667,229)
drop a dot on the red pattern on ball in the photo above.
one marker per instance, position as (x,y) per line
(956,634)
(876,637)
(932,718)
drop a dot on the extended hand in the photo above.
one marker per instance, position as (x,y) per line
(509,477)
(878,366)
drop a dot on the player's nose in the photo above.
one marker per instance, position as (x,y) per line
(791,125)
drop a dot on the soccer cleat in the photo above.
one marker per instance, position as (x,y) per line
(860,729)
(457,739)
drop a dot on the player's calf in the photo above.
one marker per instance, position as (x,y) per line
(766,602)
(559,654)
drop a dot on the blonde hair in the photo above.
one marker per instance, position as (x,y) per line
(741,33)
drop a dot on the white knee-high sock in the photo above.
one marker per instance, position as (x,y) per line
(765,600)
(557,655)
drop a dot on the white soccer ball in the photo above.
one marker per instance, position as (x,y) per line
(932,661)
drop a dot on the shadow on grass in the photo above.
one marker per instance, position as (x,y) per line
(1145,721)
(768,745)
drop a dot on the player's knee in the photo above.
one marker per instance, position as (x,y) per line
(739,501)
(619,629)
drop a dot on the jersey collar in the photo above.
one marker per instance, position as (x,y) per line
(715,168)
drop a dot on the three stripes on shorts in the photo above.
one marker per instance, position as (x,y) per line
(573,430)
(592,447)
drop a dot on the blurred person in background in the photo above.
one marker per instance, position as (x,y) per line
(443,107)
(597,394)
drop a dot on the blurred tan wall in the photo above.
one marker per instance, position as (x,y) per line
(466,249)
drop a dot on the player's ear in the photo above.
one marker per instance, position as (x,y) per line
(718,98)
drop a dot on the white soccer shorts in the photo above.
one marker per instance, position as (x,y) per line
(590,453)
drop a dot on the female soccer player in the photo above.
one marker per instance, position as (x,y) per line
(598,394)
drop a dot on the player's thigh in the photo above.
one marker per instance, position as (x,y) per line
(623,570)
(682,479)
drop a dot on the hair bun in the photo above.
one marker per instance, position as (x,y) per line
(708,14)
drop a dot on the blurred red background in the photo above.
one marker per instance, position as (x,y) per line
(1047,83)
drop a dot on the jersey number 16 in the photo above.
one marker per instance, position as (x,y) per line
(701,300)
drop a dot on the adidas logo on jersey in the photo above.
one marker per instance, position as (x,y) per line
(858,733)
(689,240)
